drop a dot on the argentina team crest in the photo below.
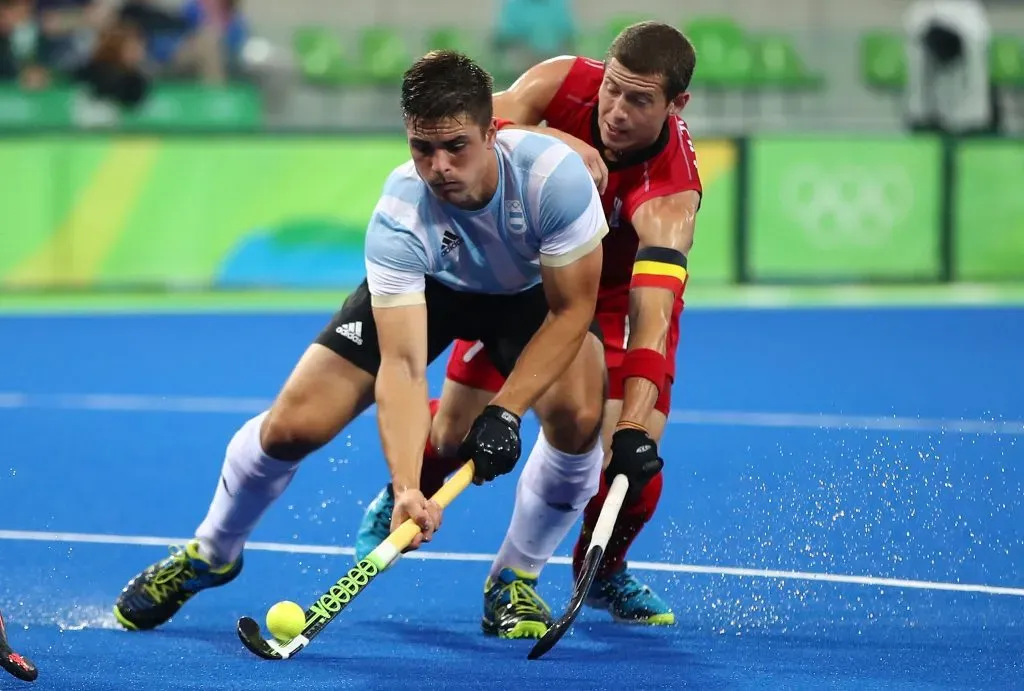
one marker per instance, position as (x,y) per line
(515,218)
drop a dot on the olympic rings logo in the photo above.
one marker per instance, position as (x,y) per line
(847,204)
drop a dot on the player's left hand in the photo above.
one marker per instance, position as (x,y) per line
(425,513)
(635,455)
(492,444)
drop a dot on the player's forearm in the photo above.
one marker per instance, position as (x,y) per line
(403,418)
(550,351)
(659,276)
(650,317)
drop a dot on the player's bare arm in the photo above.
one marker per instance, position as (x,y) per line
(571,290)
(525,102)
(403,412)
(665,228)
(401,390)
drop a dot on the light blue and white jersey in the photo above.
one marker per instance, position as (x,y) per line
(546,210)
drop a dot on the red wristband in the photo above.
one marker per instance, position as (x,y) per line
(500,123)
(646,363)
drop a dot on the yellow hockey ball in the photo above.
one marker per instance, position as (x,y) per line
(285,620)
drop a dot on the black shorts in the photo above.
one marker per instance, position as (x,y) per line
(504,323)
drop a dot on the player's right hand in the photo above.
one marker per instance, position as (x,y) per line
(492,444)
(425,513)
(635,455)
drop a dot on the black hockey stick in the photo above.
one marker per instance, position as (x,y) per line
(591,563)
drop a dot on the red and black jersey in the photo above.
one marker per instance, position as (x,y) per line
(667,167)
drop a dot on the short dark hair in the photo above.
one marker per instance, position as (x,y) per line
(654,48)
(447,84)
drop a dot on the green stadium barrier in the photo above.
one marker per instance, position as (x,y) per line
(19,109)
(712,259)
(844,209)
(193,212)
(168,107)
(989,218)
(197,211)
(143,211)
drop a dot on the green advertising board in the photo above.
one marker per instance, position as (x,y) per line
(232,211)
(189,212)
(712,259)
(827,208)
(168,107)
(989,217)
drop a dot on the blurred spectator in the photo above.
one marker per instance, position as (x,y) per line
(529,31)
(20,60)
(67,30)
(113,74)
(226,17)
(948,84)
(202,40)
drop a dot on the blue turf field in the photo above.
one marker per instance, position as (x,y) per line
(114,428)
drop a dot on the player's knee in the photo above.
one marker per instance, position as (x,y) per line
(292,431)
(573,427)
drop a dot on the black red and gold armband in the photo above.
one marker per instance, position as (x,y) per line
(660,267)
(501,123)
(646,363)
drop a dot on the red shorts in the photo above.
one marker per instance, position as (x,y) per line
(470,366)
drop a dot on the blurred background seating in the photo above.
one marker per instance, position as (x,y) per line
(838,141)
(798,65)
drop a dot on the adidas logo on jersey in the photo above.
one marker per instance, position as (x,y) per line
(449,242)
(353,331)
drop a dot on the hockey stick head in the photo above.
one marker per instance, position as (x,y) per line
(579,594)
(548,640)
(251,635)
(19,666)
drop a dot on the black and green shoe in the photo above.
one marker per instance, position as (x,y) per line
(512,607)
(156,594)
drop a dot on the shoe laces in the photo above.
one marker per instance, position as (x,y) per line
(169,576)
(626,585)
(523,598)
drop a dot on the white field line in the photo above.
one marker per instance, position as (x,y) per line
(97,538)
(240,405)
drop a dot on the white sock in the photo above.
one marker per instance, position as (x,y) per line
(249,482)
(552,492)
